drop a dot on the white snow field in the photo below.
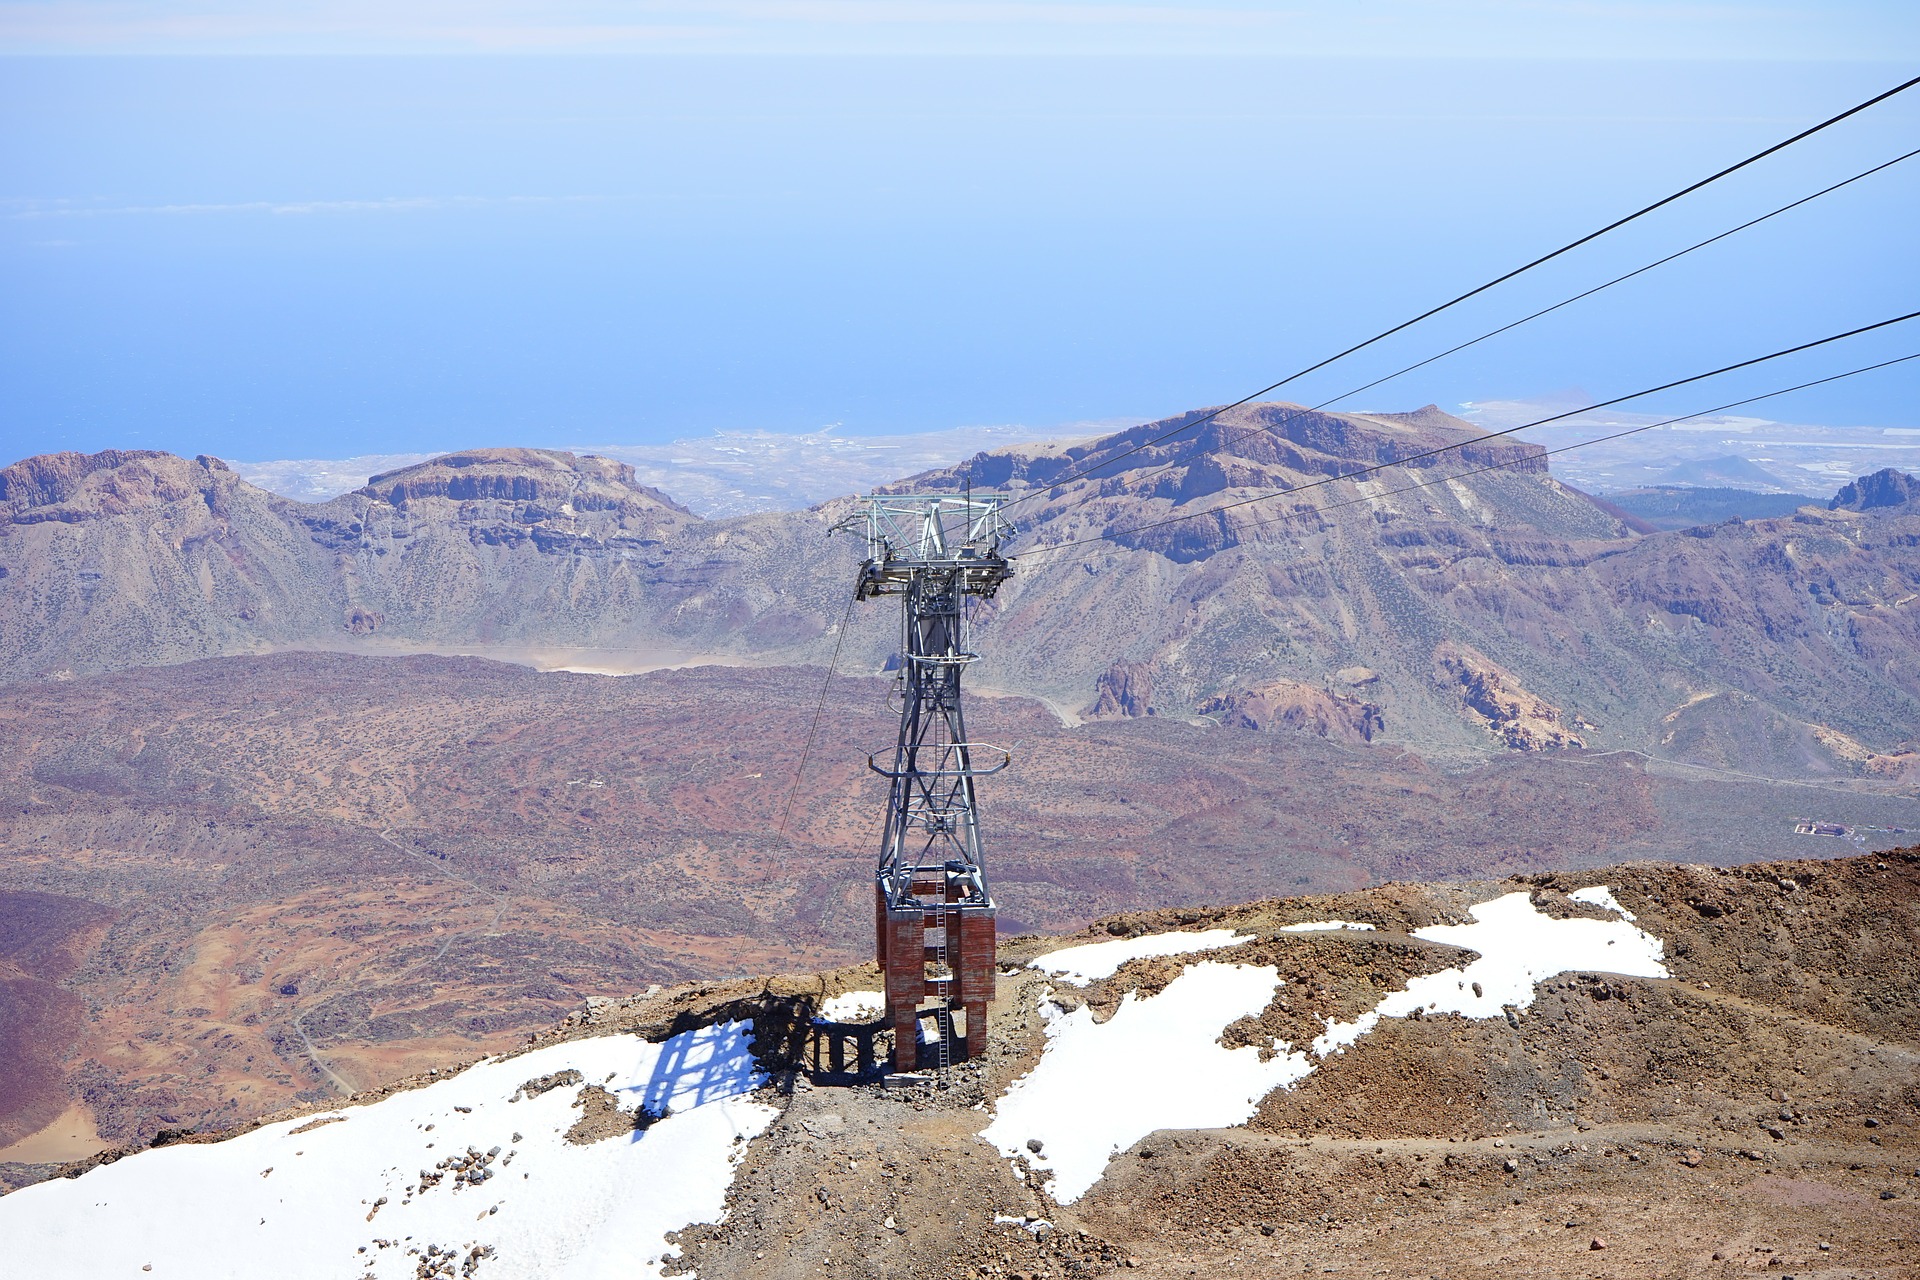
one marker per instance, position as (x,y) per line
(1094,960)
(352,1193)
(1157,1063)
(1322,926)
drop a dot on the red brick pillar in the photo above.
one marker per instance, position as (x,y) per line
(975,973)
(904,947)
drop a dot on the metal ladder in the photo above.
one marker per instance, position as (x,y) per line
(943,1013)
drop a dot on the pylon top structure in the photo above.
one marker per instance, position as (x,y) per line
(934,917)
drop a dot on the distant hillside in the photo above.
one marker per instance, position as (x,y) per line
(1465,602)
(1683,506)
(1731,469)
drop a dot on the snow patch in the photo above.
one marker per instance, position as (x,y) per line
(358,1197)
(1321,926)
(1157,1062)
(1083,964)
(1601,895)
(1521,945)
(853,1006)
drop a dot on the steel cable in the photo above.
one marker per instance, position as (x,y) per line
(1232,440)
(1583,444)
(1461,444)
(812,730)
(1615,225)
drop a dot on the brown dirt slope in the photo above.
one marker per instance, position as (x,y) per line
(43,939)
(1759,1111)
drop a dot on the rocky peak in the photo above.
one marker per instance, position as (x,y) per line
(1291,704)
(1884,488)
(1522,720)
(73,487)
(1124,691)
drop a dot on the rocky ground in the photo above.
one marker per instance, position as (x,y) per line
(1757,1111)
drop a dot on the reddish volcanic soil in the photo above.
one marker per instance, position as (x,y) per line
(239,882)
(42,937)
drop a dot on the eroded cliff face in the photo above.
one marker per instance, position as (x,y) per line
(1520,719)
(73,487)
(122,558)
(1579,629)
(1289,704)
(504,547)
(552,483)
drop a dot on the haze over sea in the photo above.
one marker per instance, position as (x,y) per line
(269,256)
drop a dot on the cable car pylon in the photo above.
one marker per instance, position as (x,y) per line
(933,914)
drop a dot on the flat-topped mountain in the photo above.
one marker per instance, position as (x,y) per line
(550,482)
(1463,602)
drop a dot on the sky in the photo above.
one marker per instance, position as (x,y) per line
(314,230)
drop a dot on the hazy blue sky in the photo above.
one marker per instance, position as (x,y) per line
(817,220)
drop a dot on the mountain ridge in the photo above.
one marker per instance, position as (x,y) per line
(564,560)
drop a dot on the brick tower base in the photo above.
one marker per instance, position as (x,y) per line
(940,954)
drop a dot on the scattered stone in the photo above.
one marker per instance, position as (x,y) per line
(1596,1243)
(601,1117)
(540,1084)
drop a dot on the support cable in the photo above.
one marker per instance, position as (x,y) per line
(800,771)
(1615,225)
(1582,444)
(1288,417)
(1479,439)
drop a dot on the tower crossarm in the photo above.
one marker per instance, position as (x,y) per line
(954,536)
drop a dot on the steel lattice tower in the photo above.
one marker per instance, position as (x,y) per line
(934,918)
